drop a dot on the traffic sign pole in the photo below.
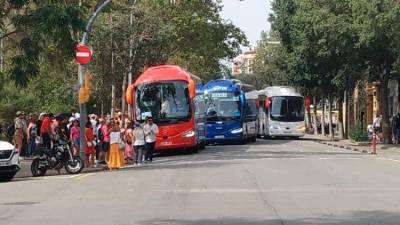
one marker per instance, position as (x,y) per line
(81,72)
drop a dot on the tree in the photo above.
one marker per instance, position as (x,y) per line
(376,22)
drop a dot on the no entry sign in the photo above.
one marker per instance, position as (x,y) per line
(83,54)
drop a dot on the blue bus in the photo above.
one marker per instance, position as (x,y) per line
(200,116)
(232,111)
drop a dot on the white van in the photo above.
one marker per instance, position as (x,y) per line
(9,161)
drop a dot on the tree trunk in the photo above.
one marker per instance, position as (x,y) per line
(112,100)
(384,106)
(323,117)
(315,102)
(340,119)
(309,119)
(123,101)
(346,115)
(331,131)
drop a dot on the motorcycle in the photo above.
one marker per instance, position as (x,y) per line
(56,158)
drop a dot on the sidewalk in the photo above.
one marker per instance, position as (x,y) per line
(26,170)
(382,149)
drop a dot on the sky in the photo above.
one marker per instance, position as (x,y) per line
(249,15)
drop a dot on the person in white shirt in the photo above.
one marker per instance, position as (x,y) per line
(150,132)
(116,157)
(138,143)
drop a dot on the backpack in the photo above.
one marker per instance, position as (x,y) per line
(11,130)
(100,135)
(34,131)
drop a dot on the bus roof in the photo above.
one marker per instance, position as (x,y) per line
(165,73)
(230,85)
(199,89)
(279,91)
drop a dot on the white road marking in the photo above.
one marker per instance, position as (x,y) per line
(82,176)
(58,177)
(338,189)
(389,159)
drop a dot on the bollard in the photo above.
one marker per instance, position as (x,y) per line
(374,142)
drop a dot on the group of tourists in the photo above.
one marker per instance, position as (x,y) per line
(109,141)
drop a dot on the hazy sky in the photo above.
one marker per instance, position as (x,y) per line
(250,15)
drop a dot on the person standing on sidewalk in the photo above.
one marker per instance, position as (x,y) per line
(105,131)
(89,147)
(45,131)
(377,125)
(20,129)
(31,135)
(128,133)
(138,143)
(150,132)
(75,137)
(116,155)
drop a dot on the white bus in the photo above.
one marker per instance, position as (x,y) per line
(281,112)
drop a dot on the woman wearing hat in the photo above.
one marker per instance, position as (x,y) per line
(20,128)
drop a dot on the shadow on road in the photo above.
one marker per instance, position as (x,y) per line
(352,218)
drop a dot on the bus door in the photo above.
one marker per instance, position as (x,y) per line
(200,119)
(250,119)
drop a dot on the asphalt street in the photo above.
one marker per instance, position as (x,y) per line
(268,182)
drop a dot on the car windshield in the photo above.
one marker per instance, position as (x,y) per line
(223,105)
(287,109)
(165,101)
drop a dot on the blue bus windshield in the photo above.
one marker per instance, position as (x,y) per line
(223,105)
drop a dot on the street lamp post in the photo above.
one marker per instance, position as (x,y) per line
(81,72)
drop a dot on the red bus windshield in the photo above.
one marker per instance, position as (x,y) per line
(166,101)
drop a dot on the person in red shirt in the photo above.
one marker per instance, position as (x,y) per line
(45,131)
(89,148)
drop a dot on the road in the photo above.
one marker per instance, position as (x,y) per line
(269,182)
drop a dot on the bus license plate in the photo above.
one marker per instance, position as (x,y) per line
(219,137)
(166,143)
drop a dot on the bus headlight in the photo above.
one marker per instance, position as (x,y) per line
(188,134)
(302,129)
(237,131)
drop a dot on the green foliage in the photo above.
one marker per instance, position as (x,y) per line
(40,37)
(358,134)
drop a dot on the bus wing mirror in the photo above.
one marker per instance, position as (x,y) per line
(267,102)
(192,89)
(242,100)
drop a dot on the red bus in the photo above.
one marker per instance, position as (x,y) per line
(167,93)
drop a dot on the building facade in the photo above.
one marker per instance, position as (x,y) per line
(244,63)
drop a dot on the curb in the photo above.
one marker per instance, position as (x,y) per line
(355,149)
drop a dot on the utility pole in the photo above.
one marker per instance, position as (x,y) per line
(81,72)
(130,78)
(130,56)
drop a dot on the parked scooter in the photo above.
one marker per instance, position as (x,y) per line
(57,158)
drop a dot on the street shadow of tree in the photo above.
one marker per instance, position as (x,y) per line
(376,217)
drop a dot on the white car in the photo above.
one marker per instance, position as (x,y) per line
(9,161)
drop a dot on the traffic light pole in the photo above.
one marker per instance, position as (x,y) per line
(81,72)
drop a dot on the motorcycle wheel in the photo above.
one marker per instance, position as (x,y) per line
(36,170)
(74,166)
